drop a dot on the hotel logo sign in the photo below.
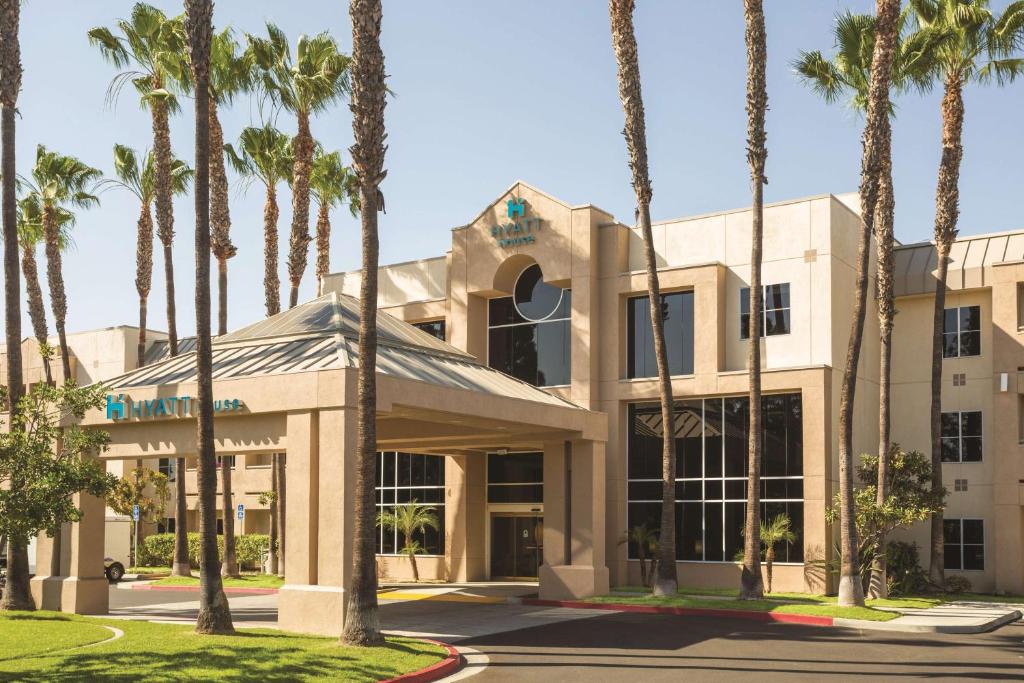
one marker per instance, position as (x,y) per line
(519,229)
(121,407)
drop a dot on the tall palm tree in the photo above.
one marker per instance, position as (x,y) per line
(214,613)
(751,585)
(851,592)
(849,72)
(332,183)
(60,183)
(362,625)
(149,49)
(16,595)
(30,234)
(624,44)
(980,52)
(138,176)
(264,154)
(305,83)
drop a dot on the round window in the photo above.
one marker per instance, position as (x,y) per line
(535,299)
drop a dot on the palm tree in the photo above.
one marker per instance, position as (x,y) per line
(138,176)
(850,72)
(30,234)
(214,613)
(751,587)
(980,51)
(776,531)
(58,183)
(230,565)
(624,44)
(646,540)
(16,595)
(305,83)
(362,625)
(264,154)
(851,592)
(332,183)
(149,50)
(409,520)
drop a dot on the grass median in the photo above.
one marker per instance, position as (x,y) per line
(244,581)
(46,646)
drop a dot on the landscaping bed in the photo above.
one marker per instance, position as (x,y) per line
(36,646)
(244,581)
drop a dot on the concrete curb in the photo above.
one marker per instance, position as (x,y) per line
(779,617)
(195,589)
(446,667)
(989,625)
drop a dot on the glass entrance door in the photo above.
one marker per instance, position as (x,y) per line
(517,546)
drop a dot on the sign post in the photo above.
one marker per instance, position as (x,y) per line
(241,512)
(135,523)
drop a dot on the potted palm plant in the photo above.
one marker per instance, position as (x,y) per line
(778,530)
(408,520)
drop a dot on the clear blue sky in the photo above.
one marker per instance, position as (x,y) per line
(491,92)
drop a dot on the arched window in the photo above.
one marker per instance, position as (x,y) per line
(529,333)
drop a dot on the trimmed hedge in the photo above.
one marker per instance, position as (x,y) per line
(158,549)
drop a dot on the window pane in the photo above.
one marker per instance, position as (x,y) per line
(691,532)
(677,312)
(949,321)
(553,353)
(499,349)
(524,353)
(794,435)
(689,490)
(951,531)
(950,424)
(951,556)
(745,301)
(736,436)
(777,322)
(970,318)
(433,470)
(950,345)
(501,311)
(404,469)
(971,449)
(971,423)
(515,468)
(689,443)
(974,557)
(516,493)
(974,531)
(432,327)
(648,514)
(970,343)
(713,490)
(640,343)
(736,489)
(745,326)
(713,532)
(950,450)
(773,449)
(734,518)
(389,469)
(536,299)
(644,490)
(645,442)
(713,438)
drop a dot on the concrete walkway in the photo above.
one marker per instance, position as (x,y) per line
(954,617)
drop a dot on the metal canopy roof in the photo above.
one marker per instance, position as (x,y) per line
(323,334)
(969,259)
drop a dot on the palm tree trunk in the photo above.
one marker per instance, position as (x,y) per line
(624,44)
(751,587)
(884,215)
(851,590)
(271,282)
(947,210)
(323,246)
(220,216)
(182,566)
(230,566)
(36,306)
(412,559)
(55,280)
(275,560)
(214,613)
(144,274)
(162,158)
(16,595)
(362,623)
(769,560)
(298,243)
(280,464)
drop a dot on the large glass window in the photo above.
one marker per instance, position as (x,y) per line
(529,335)
(961,436)
(515,478)
(677,314)
(961,332)
(776,311)
(963,544)
(432,327)
(402,478)
(711,473)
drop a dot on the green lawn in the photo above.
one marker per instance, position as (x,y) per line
(782,606)
(34,647)
(985,597)
(147,571)
(245,581)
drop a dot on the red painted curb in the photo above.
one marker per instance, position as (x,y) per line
(195,589)
(446,667)
(689,611)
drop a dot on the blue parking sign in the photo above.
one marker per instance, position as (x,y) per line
(135,512)
(241,511)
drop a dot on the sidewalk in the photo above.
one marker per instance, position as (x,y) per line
(955,617)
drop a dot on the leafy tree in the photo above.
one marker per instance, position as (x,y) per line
(138,175)
(143,487)
(635,132)
(304,83)
(37,479)
(778,530)
(410,520)
(362,623)
(981,50)
(911,499)
(332,183)
(60,183)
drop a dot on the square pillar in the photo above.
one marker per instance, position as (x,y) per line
(465,518)
(583,572)
(321,483)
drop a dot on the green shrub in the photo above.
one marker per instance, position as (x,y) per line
(249,549)
(958,584)
(157,550)
(194,548)
(903,569)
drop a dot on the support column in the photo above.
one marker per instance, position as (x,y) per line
(465,518)
(583,573)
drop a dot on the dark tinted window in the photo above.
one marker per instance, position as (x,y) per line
(432,327)
(961,332)
(776,311)
(677,315)
(405,478)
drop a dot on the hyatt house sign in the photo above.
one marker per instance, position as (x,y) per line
(122,407)
(519,230)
